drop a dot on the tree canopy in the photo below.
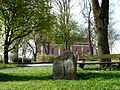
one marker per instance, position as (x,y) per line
(19,18)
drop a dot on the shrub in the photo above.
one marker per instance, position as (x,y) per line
(1,60)
(45,58)
(17,60)
(27,60)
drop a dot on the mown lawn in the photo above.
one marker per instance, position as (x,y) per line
(10,65)
(40,78)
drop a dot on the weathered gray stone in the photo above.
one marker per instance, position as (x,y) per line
(64,66)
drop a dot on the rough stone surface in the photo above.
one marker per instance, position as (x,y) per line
(64,66)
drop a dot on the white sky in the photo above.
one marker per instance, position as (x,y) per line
(116,17)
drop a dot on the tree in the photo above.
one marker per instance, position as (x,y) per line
(64,16)
(86,11)
(20,18)
(38,39)
(43,36)
(113,35)
(66,31)
(101,18)
(13,17)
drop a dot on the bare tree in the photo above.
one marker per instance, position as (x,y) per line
(113,36)
(113,33)
(86,11)
(64,18)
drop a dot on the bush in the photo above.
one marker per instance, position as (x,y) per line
(1,61)
(27,60)
(19,60)
(45,58)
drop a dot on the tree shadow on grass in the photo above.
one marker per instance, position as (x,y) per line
(88,73)
(98,72)
(92,75)
(111,68)
(80,76)
(8,77)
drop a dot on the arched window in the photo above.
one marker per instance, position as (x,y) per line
(52,51)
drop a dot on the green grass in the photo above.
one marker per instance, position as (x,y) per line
(40,78)
(10,65)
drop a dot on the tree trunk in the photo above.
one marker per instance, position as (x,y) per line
(90,42)
(35,56)
(101,19)
(67,46)
(15,53)
(46,48)
(6,54)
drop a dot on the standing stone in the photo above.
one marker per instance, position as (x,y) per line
(64,66)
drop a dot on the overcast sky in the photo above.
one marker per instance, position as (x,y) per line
(116,17)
